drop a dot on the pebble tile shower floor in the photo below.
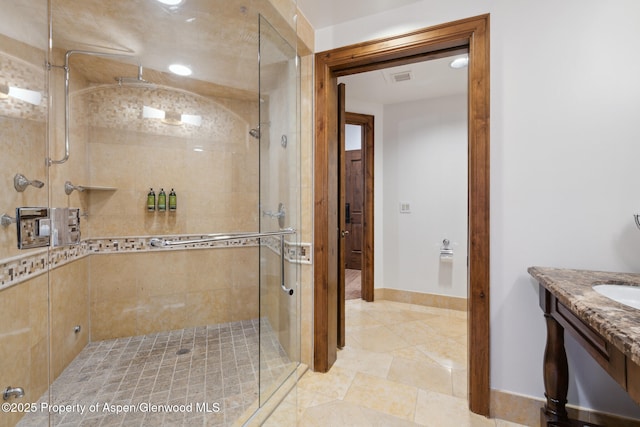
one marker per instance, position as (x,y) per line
(214,368)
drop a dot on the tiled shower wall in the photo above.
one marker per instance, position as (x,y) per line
(130,293)
(24,341)
(137,294)
(130,159)
(22,135)
(118,295)
(217,186)
(24,331)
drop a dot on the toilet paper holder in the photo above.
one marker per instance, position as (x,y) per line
(446,252)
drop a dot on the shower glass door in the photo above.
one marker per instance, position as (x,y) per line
(279,210)
(148,319)
(24,287)
(192,331)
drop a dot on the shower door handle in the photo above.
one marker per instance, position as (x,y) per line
(288,291)
(158,242)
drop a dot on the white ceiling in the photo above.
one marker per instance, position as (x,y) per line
(230,31)
(429,79)
(325,13)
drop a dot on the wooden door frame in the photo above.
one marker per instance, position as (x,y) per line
(470,34)
(366,276)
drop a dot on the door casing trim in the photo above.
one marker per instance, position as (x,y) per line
(472,35)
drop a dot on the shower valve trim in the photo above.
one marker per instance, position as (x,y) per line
(20,183)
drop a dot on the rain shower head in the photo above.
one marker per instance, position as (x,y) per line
(139,80)
(132,81)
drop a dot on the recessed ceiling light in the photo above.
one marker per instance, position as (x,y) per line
(460,62)
(170,2)
(181,70)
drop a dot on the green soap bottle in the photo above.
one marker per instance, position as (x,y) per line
(162,200)
(173,200)
(151,200)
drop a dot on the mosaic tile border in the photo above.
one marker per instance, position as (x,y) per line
(21,268)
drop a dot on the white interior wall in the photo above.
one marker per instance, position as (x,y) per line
(564,158)
(425,165)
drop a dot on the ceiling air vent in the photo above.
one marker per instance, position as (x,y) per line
(401,77)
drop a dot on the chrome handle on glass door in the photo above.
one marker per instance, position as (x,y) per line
(282,279)
(158,242)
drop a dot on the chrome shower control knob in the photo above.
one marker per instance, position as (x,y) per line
(12,391)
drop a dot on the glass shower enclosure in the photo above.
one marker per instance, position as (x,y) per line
(149,266)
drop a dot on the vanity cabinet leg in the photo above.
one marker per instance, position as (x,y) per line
(556,375)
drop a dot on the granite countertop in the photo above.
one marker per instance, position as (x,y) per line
(616,322)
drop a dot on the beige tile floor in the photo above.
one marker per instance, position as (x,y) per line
(214,364)
(403,365)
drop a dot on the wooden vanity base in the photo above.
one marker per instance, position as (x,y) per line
(547,421)
(605,329)
(556,369)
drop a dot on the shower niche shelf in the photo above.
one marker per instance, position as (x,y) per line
(97,188)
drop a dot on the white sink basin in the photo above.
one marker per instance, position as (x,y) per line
(624,294)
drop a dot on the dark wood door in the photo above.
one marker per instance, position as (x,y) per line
(366,124)
(354,203)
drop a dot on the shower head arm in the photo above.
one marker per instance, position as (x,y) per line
(67,108)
